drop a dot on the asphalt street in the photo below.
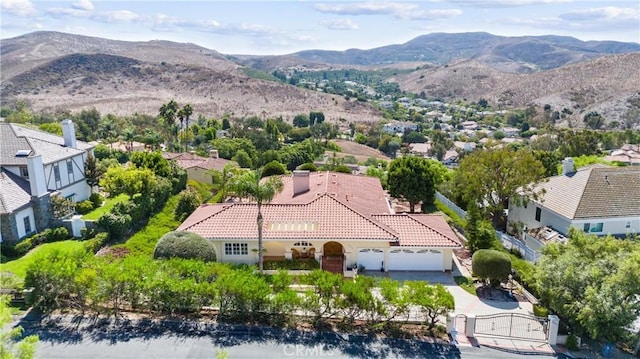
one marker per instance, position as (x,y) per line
(71,338)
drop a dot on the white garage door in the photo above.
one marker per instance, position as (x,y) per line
(415,259)
(370,258)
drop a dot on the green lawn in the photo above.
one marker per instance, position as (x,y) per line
(144,241)
(466,283)
(19,266)
(105,208)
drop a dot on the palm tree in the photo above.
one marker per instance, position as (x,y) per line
(183,114)
(249,185)
(129,135)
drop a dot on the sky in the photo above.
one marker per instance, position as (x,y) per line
(282,27)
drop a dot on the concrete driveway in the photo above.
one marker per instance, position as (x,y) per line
(465,302)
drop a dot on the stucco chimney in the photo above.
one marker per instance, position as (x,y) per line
(568,166)
(300,182)
(213,153)
(69,134)
(36,176)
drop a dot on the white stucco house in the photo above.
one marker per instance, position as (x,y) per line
(339,219)
(597,199)
(35,165)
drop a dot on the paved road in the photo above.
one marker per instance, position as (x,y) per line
(65,338)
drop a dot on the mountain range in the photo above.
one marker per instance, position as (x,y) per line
(54,71)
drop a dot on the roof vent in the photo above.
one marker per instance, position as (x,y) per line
(23,153)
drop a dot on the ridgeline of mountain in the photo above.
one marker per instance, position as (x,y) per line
(507,54)
(57,71)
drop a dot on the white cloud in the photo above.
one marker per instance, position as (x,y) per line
(609,13)
(340,24)
(17,7)
(84,5)
(432,14)
(505,3)
(60,12)
(404,11)
(116,16)
(366,8)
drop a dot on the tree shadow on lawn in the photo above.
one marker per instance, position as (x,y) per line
(74,329)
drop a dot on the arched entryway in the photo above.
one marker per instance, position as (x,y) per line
(333,257)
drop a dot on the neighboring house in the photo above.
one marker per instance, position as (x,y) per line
(399,127)
(597,199)
(341,220)
(36,165)
(627,154)
(420,149)
(198,168)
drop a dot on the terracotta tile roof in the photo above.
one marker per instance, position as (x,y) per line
(323,218)
(594,192)
(361,193)
(421,230)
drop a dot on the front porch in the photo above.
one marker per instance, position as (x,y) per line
(331,256)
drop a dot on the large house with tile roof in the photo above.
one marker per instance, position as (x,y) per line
(341,220)
(596,199)
(34,165)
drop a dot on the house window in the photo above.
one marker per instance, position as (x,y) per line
(24,172)
(628,225)
(593,227)
(56,172)
(27,224)
(236,249)
(70,171)
(538,213)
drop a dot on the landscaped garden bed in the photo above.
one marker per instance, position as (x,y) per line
(292,264)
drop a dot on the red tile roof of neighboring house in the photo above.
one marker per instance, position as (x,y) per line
(363,194)
(323,218)
(420,230)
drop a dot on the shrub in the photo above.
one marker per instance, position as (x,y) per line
(84,207)
(185,245)
(491,264)
(308,167)
(572,342)
(273,168)
(540,311)
(96,199)
(94,244)
(22,247)
(188,201)
(293,264)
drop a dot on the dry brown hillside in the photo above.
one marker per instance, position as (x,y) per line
(55,71)
(603,84)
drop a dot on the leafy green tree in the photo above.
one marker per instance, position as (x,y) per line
(249,185)
(242,159)
(478,231)
(301,120)
(592,282)
(549,160)
(223,180)
(594,120)
(188,201)
(92,172)
(434,301)
(315,118)
(414,179)
(493,177)
(491,265)
(320,299)
(10,346)
(131,181)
